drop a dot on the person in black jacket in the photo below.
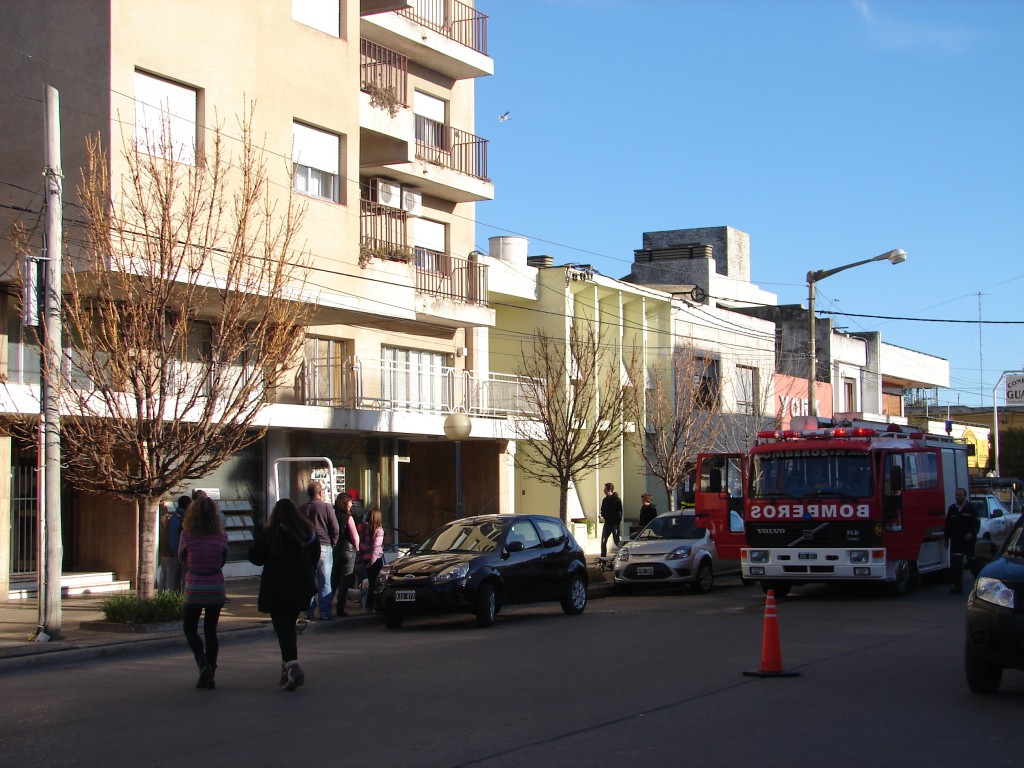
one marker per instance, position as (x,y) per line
(647,510)
(611,513)
(288,550)
(962,525)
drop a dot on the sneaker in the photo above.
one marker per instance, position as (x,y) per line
(284,675)
(206,678)
(295,676)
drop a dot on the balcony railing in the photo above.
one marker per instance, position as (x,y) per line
(383,230)
(439,274)
(384,75)
(411,387)
(456,21)
(449,147)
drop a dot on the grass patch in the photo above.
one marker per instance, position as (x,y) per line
(129,609)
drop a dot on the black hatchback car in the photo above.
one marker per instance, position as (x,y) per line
(995,614)
(477,564)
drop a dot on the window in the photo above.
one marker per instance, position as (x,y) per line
(24,357)
(316,155)
(429,240)
(415,379)
(706,383)
(324,15)
(747,395)
(430,123)
(325,365)
(849,394)
(165,118)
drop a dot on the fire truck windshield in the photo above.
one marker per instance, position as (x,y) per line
(800,474)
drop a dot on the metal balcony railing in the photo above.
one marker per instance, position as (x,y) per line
(439,274)
(384,74)
(449,147)
(456,21)
(383,230)
(439,390)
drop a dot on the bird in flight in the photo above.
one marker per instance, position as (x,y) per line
(503,118)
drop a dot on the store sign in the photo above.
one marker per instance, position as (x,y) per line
(1015,390)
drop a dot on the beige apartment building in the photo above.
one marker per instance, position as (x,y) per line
(365,109)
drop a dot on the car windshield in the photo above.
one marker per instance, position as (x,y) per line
(989,506)
(464,536)
(672,527)
(799,474)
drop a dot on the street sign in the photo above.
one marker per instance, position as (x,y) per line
(1015,390)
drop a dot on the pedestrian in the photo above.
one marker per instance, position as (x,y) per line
(343,576)
(325,523)
(961,532)
(647,510)
(170,537)
(611,513)
(289,551)
(203,550)
(373,548)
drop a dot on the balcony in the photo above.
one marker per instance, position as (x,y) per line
(435,390)
(452,19)
(448,277)
(451,148)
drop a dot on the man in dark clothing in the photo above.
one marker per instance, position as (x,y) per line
(647,510)
(962,524)
(611,513)
(325,523)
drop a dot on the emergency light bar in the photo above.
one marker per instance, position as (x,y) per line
(819,434)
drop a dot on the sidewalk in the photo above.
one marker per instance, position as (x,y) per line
(239,619)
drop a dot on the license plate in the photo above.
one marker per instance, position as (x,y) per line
(644,570)
(405,595)
(807,556)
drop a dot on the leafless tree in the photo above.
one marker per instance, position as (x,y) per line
(182,315)
(682,413)
(576,392)
(755,412)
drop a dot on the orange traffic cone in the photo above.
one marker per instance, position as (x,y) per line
(771,653)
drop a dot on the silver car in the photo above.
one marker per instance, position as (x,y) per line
(672,549)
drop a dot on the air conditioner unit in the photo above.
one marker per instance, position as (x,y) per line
(412,202)
(386,192)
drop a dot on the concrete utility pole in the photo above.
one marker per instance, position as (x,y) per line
(49,501)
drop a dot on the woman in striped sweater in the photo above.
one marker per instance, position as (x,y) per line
(203,550)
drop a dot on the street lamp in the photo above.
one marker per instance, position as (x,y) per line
(897,256)
(457,426)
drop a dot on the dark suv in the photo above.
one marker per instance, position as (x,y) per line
(995,614)
(477,564)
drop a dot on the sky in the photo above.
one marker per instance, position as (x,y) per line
(830,131)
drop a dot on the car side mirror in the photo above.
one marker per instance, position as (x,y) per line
(515,546)
(986,550)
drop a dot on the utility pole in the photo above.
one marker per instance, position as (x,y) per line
(49,502)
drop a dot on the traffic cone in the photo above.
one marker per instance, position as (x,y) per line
(771,653)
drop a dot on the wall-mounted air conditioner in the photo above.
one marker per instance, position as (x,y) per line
(386,192)
(412,202)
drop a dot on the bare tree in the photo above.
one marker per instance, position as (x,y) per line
(181,316)
(576,392)
(682,414)
(755,412)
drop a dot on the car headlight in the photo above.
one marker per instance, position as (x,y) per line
(452,573)
(623,554)
(994,591)
(679,553)
(757,555)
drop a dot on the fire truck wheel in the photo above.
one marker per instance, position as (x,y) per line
(901,584)
(982,675)
(780,588)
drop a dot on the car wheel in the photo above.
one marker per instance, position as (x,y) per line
(574,599)
(705,577)
(781,589)
(982,675)
(486,605)
(901,584)
(393,619)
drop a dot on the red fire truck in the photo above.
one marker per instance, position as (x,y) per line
(833,500)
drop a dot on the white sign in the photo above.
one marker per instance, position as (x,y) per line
(1015,390)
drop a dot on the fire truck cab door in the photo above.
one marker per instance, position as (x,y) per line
(718,501)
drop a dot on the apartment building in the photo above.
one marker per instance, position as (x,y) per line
(365,110)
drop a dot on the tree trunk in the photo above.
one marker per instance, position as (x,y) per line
(563,501)
(149,513)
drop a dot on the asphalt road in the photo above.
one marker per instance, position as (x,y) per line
(639,680)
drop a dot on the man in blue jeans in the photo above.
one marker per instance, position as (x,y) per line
(325,523)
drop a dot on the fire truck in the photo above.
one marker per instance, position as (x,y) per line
(833,500)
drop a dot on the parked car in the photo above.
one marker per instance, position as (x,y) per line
(478,564)
(672,549)
(996,518)
(995,614)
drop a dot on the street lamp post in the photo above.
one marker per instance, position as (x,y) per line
(897,256)
(457,426)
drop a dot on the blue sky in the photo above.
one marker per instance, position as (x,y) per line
(829,130)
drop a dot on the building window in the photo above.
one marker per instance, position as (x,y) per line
(415,379)
(325,365)
(892,403)
(747,395)
(324,15)
(706,383)
(849,394)
(24,357)
(432,113)
(429,239)
(165,118)
(316,158)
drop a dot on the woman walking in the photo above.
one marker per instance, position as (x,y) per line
(203,550)
(373,551)
(289,551)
